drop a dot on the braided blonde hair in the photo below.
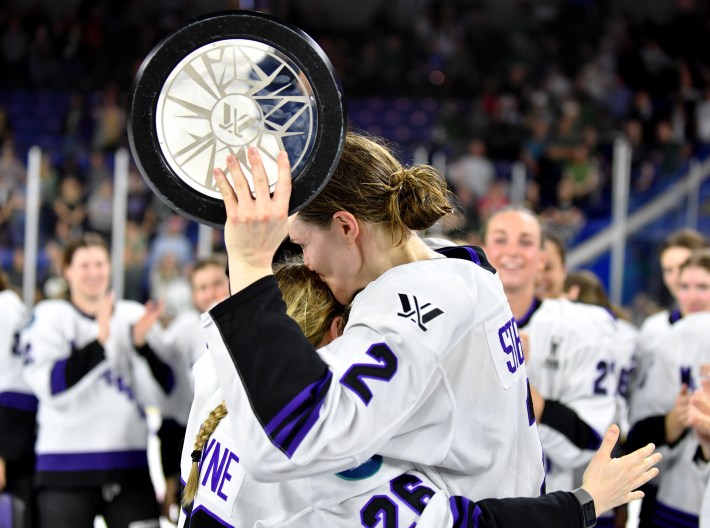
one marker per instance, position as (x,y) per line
(208,427)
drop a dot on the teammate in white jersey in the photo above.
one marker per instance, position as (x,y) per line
(184,343)
(570,344)
(89,363)
(18,406)
(585,287)
(675,250)
(660,407)
(382,490)
(430,359)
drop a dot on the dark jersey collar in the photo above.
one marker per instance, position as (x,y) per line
(471,253)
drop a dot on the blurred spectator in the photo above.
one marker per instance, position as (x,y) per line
(99,209)
(109,121)
(69,207)
(564,219)
(642,169)
(135,259)
(140,198)
(536,145)
(669,152)
(581,174)
(12,186)
(171,240)
(642,111)
(494,200)
(473,170)
(98,171)
(49,178)
(76,126)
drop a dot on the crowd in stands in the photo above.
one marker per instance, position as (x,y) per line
(552,88)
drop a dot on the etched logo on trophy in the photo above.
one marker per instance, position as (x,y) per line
(238,122)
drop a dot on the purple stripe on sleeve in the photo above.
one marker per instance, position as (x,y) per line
(19,401)
(465,512)
(58,380)
(290,426)
(92,461)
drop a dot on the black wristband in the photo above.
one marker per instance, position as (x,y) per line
(586,502)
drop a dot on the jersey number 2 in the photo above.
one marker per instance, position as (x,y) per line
(385,370)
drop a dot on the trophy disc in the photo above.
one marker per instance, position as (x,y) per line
(225,83)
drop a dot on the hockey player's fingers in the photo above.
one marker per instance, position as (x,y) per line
(639,457)
(706,384)
(229,197)
(240,184)
(282,191)
(700,401)
(259,177)
(645,477)
(635,495)
(608,442)
(699,420)
(684,389)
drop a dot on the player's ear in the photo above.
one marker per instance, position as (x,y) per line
(336,327)
(346,224)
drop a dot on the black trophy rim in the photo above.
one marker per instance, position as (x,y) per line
(162,60)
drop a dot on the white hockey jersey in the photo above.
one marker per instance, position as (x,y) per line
(17,403)
(572,367)
(649,336)
(381,492)
(682,482)
(92,427)
(430,369)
